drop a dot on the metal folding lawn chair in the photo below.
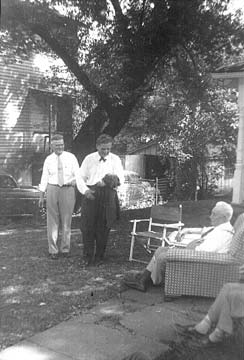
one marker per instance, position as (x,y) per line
(163,219)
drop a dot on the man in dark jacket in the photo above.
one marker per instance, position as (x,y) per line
(100,203)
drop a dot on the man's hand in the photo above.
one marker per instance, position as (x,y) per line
(193,244)
(41,200)
(185,231)
(100,183)
(89,194)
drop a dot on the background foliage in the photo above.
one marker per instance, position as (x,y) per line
(137,67)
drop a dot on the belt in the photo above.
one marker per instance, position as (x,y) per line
(65,185)
(92,187)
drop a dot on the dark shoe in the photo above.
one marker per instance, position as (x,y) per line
(187,330)
(207,343)
(133,275)
(135,284)
(98,262)
(86,262)
(217,336)
(146,278)
(193,331)
(65,254)
(53,256)
(204,341)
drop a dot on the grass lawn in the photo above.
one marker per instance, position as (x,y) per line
(37,293)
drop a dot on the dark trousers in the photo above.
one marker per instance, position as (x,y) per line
(94,230)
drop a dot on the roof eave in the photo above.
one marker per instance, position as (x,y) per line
(228,75)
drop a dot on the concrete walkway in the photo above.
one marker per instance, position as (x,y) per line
(134,321)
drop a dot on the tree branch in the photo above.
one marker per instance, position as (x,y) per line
(122,21)
(71,64)
(29,16)
(190,56)
(117,8)
(142,14)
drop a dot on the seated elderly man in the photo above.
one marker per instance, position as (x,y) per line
(215,239)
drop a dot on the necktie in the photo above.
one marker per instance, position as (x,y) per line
(60,172)
(102,159)
(206,232)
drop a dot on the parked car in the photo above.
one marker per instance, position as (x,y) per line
(17,200)
(136,192)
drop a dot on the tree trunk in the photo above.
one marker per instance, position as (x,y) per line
(97,123)
(85,141)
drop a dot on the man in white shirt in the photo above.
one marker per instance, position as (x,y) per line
(95,166)
(214,239)
(58,181)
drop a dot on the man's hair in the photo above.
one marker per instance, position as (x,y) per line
(104,139)
(57,137)
(224,209)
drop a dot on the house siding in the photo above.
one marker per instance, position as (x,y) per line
(15,127)
(26,120)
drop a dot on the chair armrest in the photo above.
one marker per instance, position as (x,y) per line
(171,226)
(138,220)
(183,255)
(135,222)
(175,244)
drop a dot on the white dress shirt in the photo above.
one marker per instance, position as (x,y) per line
(92,170)
(50,169)
(218,240)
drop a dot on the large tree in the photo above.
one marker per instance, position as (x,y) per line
(113,48)
(191,124)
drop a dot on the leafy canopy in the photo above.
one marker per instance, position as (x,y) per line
(117,49)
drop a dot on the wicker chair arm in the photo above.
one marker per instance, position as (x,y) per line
(183,255)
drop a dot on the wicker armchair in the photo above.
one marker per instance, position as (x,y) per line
(201,273)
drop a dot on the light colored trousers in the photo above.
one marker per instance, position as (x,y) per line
(60,206)
(228,304)
(157,265)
